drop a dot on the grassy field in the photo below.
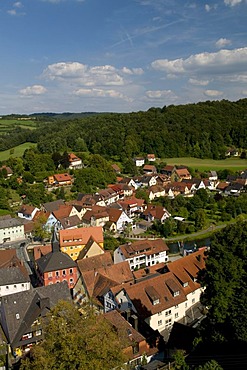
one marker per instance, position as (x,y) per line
(17,151)
(7,125)
(232,163)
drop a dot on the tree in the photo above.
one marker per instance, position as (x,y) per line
(76,341)
(225,279)
(39,229)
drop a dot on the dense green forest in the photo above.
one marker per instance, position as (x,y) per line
(202,130)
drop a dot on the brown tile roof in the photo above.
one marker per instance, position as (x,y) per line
(156,211)
(222,185)
(80,236)
(182,172)
(124,328)
(149,167)
(61,177)
(164,285)
(95,262)
(41,250)
(186,269)
(114,214)
(63,211)
(143,247)
(73,157)
(149,271)
(26,209)
(6,256)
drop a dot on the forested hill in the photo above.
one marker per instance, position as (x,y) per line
(201,130)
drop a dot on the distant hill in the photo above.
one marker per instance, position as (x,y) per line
(202,130)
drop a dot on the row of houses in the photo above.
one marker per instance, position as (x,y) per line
(148,300)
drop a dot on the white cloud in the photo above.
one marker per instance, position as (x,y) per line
(208,7)
(221,43)
(12,12)
(244,92)
(195,82)
(136,71)
(160,94)
(82,74)
(232,2)
(18,4)
(100,93)
(213,93)
(221,62)
(33,90)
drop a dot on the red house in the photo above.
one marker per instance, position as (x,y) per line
(56,266)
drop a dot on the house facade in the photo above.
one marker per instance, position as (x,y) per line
(142,253)
(56,266)
(11,229)
(72,241)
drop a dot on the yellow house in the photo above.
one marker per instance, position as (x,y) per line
(73,241)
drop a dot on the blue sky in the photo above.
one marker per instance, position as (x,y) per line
(120,55)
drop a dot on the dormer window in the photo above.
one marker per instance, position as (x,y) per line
(185,284)
(153,295)
(175,294)
(17,316)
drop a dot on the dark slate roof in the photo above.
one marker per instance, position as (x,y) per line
(12,275)
(54,261)
(10,222)
(20,310)
(53,206)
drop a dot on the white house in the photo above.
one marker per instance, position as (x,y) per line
(142,253)
(11,229)
(139,161)
(12,280)
(165,297)
(119,218)
(27,212)
(74,162)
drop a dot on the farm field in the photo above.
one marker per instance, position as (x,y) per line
(17,151)
(232,163)
(7,125)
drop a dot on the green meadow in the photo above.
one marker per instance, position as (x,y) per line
(8,125)
(17,151)
(232,163)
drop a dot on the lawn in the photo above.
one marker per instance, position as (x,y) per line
(232,163)
(17,151)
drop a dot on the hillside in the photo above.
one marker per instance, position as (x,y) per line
(202,130)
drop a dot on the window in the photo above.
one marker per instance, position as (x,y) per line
(175,294)
(71,271)
(193,300)
(193,292)
(15,286)
(57,273)
(71,281)
(160,313)
(168,312)
(185,304)
(159,322)
(64,272)
(38,332)
(27,336)
(176,315)
(168,322)
(7,287)
(176,306)
(185,284)
(17,316)
(49,274)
